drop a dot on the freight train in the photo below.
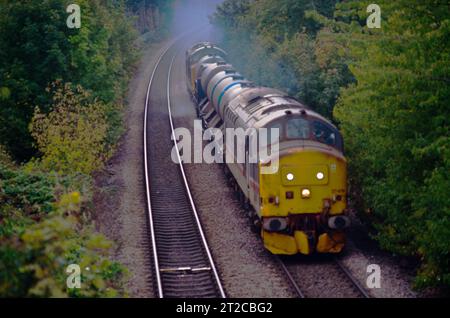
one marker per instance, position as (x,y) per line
(302,208)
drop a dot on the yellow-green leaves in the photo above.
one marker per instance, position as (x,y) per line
(4,93)
(72,137)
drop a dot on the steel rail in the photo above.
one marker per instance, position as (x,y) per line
(342,268)
(350,276)
(147,180)
(188,190)
(158,270)
(290,278)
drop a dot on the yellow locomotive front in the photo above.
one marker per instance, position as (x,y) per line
(302,205)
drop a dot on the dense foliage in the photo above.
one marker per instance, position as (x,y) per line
(153,16)
(37,48)
(388,89)
(396,123)
(45,221)
(44,229)
(73,136)
(61,97)
(283,44)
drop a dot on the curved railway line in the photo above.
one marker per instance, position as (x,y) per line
(183,264)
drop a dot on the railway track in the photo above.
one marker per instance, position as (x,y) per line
(345,282)
(182,261)
(183,264)
(354,281)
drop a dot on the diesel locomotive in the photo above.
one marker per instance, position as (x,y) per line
(301,208)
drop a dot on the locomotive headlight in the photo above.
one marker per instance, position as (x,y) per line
(320,176)
(290,176)
(306,193)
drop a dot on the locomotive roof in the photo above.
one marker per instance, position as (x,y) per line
(208,47)
(263,105)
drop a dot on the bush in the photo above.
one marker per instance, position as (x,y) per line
(73,136)
(33,192)
(57,242)
(5,158)
(41,233)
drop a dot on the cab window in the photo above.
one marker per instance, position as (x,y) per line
(298,128)
(324,134)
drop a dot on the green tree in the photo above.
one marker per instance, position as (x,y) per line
(37,48)
(391,90)
(396,124)
(153,16)
(287,44)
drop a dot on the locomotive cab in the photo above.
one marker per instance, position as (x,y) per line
(302,206)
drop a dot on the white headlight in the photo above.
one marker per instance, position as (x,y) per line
(290,176)
(320,176)
(306,193)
